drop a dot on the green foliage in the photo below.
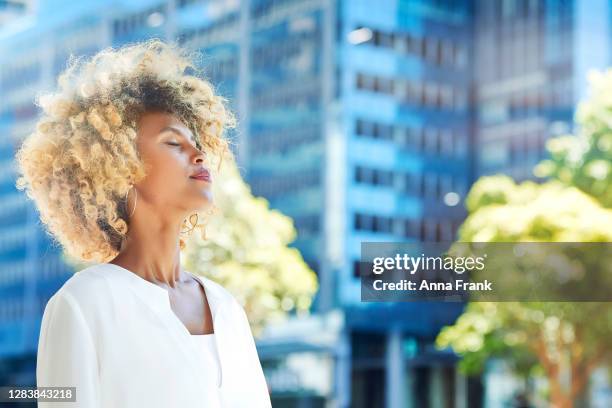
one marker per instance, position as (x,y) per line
(481,332)
(502,211)
(585,160)
(489,191)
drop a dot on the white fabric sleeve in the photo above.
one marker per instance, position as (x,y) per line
(258,379)
(66,353)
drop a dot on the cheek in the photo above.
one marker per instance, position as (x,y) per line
(167,170)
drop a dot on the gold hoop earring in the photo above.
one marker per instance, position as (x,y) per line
(127,202)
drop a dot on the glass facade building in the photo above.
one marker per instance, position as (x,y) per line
(363,121)
(531,63)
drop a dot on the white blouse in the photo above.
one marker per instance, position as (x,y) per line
(207,345)
(114,336)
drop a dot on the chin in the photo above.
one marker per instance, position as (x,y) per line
(205,206)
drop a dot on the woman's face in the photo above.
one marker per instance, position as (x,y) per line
(171,159)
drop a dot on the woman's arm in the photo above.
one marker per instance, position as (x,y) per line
(258,380)
(66,353)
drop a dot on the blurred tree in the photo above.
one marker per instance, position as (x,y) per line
(565,341)
(246,251)
(558,338)
(586,161)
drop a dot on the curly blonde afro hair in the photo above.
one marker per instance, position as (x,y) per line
(81,160)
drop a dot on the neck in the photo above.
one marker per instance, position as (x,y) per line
(151,248)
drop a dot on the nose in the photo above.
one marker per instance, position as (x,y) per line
(199,156)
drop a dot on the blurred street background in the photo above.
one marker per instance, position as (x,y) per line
(362,121)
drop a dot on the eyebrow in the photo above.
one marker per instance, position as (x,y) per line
(179,132)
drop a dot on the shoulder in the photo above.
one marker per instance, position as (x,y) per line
(69,306)
(85,287)
(216,289)
(233,308)
(220,294)
(231,304)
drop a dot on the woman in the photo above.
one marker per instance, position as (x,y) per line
(119,169)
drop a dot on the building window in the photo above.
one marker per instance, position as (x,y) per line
(423,230)
(447,53)
(383,85)
(376,177)
(373,223)
(446,142)
(414,92)
(431,47)
(363,175)
(459,56)
(383,224)
(374,130)
(363,222)
(411,229)
(356,271)
(412,184)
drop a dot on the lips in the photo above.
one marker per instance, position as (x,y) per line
(202,175)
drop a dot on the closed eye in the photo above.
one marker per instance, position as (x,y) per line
(173,144)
